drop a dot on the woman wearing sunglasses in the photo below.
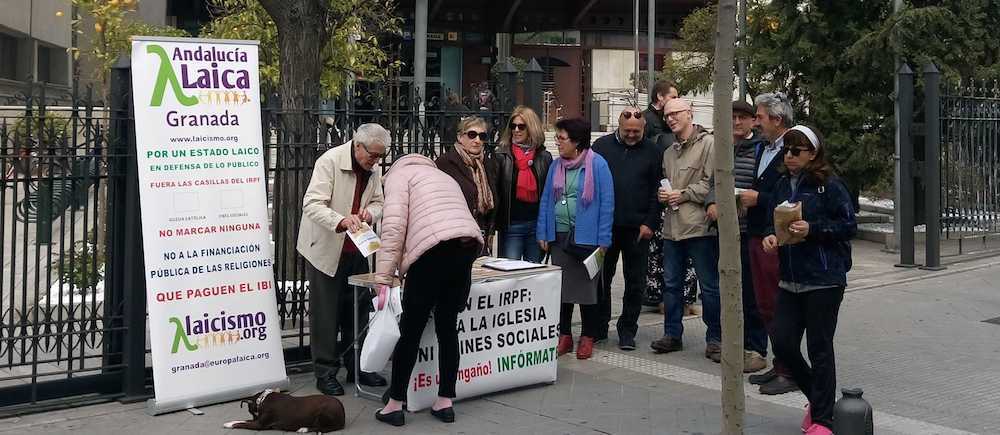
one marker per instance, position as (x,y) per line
(574,220)
(813,271)
(522,164)
(466,162)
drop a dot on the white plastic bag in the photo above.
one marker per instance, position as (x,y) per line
(383,332)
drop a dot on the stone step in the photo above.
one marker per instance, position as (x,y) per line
(883,206)
(883,233)
(868,217)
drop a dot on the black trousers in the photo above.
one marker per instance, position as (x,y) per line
(635,253)
(588,315)
(439,280)
(331,306)
(815,314)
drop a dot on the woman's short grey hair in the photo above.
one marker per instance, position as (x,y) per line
(371,134)
(776,105)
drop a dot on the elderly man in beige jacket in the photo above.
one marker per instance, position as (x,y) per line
(344,192)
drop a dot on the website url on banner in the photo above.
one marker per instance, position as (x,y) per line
(219,362)
(197,138)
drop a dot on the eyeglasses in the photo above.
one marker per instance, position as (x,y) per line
(795,151)
(376,156)
(562,138)
(630,115)
(520,127)
(472,134)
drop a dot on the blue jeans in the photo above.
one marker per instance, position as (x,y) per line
(704,253)
(519,242)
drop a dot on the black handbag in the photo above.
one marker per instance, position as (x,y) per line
(577,251)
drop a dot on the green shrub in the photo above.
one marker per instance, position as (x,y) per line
(86,269)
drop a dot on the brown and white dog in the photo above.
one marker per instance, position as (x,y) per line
(272,409)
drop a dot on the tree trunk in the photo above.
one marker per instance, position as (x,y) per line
(730,284)
(302,34)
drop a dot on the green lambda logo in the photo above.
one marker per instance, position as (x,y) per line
(166,75)
(180,337)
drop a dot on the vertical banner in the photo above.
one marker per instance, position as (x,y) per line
(213,320)
(507,338)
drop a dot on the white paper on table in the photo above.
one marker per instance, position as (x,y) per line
(594,262)
(365,239)
(507,265)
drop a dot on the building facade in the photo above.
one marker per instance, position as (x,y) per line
(585,48)
(35,37)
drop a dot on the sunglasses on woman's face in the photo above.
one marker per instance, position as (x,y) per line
(795,151)
(630,115)
(519,127)
(472,134)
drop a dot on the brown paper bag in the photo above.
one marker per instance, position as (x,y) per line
(784,214)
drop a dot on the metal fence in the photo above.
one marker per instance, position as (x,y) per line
(58,326)
(970,165)
(72,308)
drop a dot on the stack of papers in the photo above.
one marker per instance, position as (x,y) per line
(508,265)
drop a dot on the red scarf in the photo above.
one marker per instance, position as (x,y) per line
(527,186)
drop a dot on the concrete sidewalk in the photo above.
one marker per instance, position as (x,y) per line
(590,397)
(916,341)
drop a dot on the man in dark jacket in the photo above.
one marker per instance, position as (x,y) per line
(656,125)
(747,143)
(774,116)
(635,170)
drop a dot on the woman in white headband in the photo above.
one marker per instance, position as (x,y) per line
(813,271)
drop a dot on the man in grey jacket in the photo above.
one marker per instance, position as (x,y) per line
(344,192)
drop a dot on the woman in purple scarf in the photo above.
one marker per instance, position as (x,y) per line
(574,221)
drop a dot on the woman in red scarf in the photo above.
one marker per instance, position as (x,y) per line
(522,165)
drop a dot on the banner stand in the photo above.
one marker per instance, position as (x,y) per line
(214,330)
(154,407)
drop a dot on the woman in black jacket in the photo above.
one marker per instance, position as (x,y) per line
(522,166)
(813,271)
(475,174)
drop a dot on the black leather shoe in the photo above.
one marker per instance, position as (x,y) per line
(368,379)
(395,418)
(778,385)
(329,386)
(666,344)
(446,415)
(763,378)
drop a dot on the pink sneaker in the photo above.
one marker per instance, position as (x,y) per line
(807,421)
(818,429)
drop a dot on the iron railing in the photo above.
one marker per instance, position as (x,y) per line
(56,322)
(970,164)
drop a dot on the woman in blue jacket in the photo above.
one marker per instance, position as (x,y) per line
(813,271)
(574,220)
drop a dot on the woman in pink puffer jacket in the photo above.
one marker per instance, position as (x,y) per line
(429,234)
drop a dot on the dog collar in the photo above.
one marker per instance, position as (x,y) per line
(260,399)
